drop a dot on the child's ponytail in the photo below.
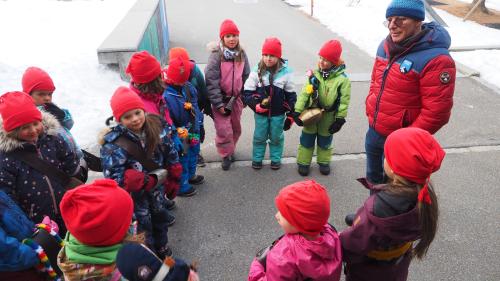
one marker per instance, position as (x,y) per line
(152,129)
(428,215)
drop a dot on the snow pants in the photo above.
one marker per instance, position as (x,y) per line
(189,162)
(227,129)
(312,135)
(268,128)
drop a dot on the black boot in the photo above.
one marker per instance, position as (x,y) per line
(324,169)
(226,163)
(303,170)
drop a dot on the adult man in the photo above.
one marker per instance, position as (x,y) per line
(412,83)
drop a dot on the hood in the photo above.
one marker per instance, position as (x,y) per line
(50,127)
(320,258)
(400,227)
(436,37)
(109,135)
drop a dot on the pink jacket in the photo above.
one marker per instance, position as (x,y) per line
(296,258)
(153,103)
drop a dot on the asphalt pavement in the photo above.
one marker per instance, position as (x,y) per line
(232,216)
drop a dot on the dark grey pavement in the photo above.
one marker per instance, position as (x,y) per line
(232,216)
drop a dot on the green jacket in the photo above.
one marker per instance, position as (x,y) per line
(327,91)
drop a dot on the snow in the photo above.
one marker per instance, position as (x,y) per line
(361,22)
(62,37)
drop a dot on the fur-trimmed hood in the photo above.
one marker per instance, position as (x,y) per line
(215,46)
(50,127)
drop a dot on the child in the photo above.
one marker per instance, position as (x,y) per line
(147,266)
(226,72)
(27,131)
(98,217)
(379,245)
(269,92)
(149,137)
(196,78)
(145,72)
(39,85)
(329,89)
(181,98)
(146,81)
(310,248)
(18,260)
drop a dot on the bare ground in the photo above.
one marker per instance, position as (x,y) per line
(460,9)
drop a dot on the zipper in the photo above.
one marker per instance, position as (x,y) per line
(52,194)
(232,82)
(32,210)
(384,77)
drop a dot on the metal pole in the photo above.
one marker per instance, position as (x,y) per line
(312,7)
(472,10)
(433,15)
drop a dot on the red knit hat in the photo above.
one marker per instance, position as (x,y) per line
(17,109)
(143,67)
(178,52)
(331,51)
(272,46)
(97,214)
(36,79)
(305,205)
(124,100)
(178,71)
(228,27)
(413,153)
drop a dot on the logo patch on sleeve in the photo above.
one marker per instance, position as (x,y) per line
(405,66)
(445,77)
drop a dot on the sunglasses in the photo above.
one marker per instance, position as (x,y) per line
(397,21)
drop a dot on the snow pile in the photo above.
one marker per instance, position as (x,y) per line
(361,22)
(62,37)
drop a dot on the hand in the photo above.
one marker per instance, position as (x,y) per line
(297,120)
(288,123)
(134,180)
(53,225)
(172,184)
(336,126)
(260,109)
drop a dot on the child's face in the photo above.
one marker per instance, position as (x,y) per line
(269,60)
(324,64)
(231,40)
(30,132)
(133,120)
(287,227)
(387,169)
(41,97)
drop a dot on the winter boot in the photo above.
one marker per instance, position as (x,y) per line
(303,170)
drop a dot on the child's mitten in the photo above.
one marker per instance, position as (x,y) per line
(336,126)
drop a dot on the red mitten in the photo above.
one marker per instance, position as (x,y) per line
(133,180)
(150,182)
(173,182)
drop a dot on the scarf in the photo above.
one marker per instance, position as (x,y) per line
(327,72)
(77,252)
(396,49)
(228,53)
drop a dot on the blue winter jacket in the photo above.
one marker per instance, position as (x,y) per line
(281,93)
(116,160)
(14,227)
(176,96)
(37,194)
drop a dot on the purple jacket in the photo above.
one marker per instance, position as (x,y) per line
(377,247)
(296,258)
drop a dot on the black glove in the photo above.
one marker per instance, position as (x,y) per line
(288,123)
(55,110)
(202,134)
(93,162)
(297,120)
(336,126)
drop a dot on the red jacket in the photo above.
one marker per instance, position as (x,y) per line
(414,90)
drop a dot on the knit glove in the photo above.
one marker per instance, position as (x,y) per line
(53,225)
(173,182)
(260,109)
(134,181)
(288,123)
(297,119)
(336,126)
